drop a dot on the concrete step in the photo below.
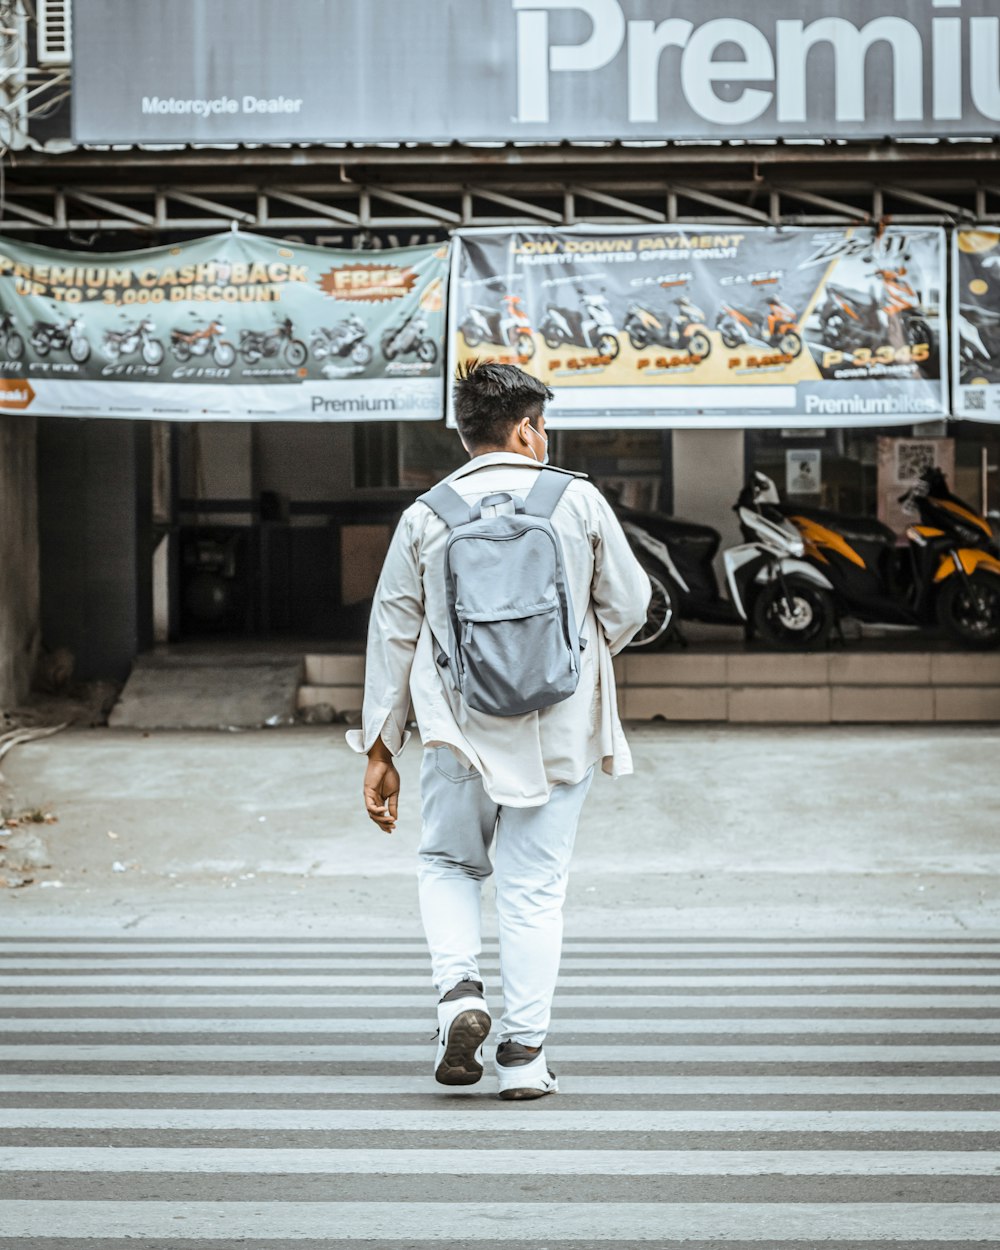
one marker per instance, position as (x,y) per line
(200,695)
(748,687)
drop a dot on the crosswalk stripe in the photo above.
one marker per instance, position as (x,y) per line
(223,1084)
(819,1052)
(614,1025)
(279,1161)
(571,946)
(418,1000)
(123,1059)
(524,1119)
(292,980)
(513,1222)
(986,966)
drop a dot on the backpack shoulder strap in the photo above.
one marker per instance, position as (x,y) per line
(547,491)
(446,503)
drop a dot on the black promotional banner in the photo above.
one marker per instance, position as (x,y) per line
(976,329)
(232,326)
(711,326)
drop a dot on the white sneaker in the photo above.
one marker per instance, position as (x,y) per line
(464,1023)
(523,1074)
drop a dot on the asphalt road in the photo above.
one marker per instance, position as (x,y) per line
(202,1093)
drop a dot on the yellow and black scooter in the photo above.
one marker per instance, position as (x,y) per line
(947,576)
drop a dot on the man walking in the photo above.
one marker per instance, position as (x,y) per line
(494,774)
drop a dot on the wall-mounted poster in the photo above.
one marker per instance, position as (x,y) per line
(900,463)
(804,471)
(976,323)
(673,327)
(229,327)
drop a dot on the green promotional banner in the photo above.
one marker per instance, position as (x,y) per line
(229,327)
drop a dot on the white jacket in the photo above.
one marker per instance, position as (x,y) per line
(520,757)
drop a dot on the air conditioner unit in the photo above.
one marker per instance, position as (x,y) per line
(54,26)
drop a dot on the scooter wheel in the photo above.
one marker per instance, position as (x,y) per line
(790,344)
(524,345)
(793,614)
(969,610)
(662,614)
(699,345)
(609,346)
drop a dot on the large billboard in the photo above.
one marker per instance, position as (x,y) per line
(229,327)
(709,326)
(976,323)
(260,71)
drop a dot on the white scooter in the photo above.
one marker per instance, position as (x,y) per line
(767,575)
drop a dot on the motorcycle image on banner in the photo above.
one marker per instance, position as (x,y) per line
(61,336)
(976,323)
(186,344)
(728,327)
(242,309)
(137,336)
(506,326)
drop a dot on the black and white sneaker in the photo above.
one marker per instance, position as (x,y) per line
(464,1023)
(523,1073)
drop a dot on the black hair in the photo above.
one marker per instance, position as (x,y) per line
(491,398)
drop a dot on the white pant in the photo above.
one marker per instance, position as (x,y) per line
(533,849)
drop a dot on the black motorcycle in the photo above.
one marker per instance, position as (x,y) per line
(677,556)
(256,344)
(61,336)
(410,338)
(346,338)
(948,576)
(11,343)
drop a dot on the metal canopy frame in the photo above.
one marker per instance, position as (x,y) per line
(160,194)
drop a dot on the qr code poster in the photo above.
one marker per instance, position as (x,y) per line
(976,324)
(900,463)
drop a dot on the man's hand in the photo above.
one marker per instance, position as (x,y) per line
(381,787)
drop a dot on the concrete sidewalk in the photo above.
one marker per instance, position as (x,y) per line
(723,830)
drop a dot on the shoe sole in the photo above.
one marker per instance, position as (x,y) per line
(459,1065)
(518,1095)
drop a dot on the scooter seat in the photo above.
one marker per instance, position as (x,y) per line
(859,528)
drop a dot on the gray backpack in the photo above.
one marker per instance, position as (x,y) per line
(515,646)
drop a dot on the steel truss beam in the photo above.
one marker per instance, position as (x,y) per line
(432,200)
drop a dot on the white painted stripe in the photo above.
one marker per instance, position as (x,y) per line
(989,980)
(278,1161)
(418,1002)
(514,1222)
(418,946)
(419,1023)
(225,1084)
(497,1119)
(570,962)
(293,1052)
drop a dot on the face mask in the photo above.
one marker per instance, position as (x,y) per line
(545,458)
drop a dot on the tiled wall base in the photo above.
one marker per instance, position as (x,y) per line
(759,688)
